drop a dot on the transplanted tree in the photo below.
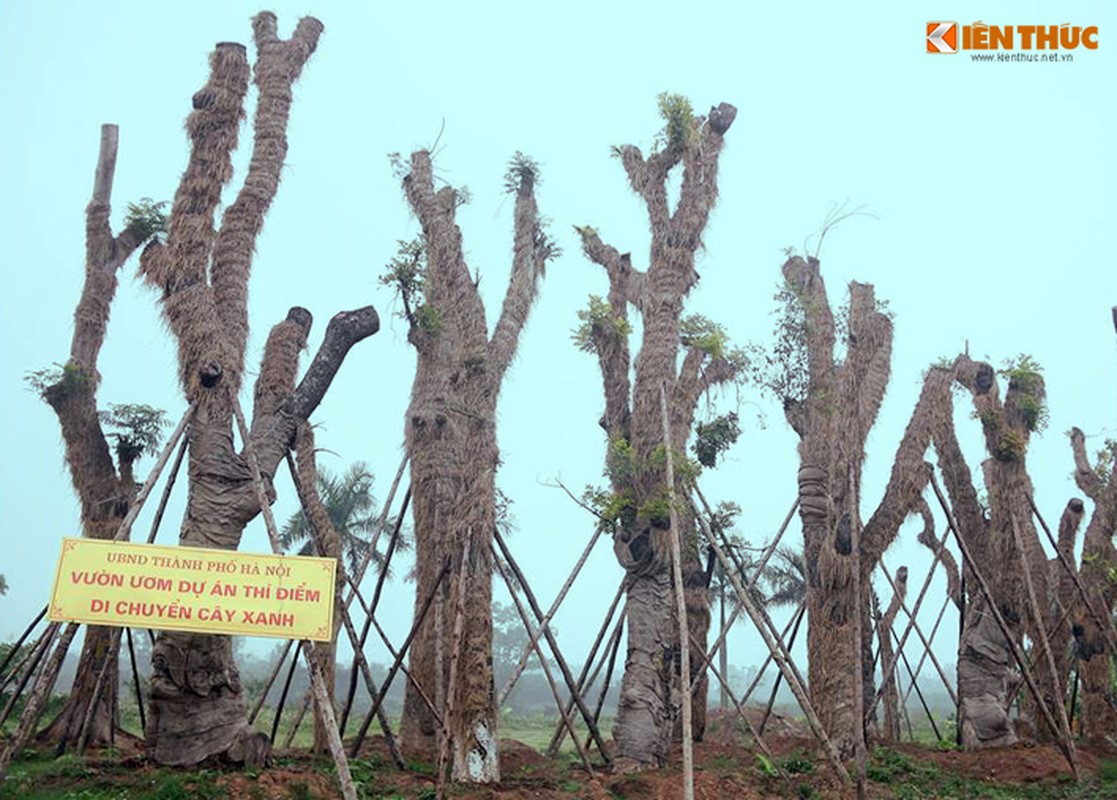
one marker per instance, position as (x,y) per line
(637,504)
(452,447)
(105,486)
(987,674)
(197,707)
(831,400)
(1098,572)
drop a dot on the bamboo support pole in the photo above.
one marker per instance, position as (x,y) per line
(270,681)
(781,656)
(534,637)
(991,605)
(1107,627)
(1063,731)
(923,656)
(136,681)
(98,691)
(913,624)
(283,694)
(166,496)
(800,615)
(680,607)
(371,610)
(613,647)
(322,696)
(355,748)
(918,693)
(549,635)
(19,643)
(538,651)
(585,680)
(792,625)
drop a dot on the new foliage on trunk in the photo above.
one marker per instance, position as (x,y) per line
(451,443)
(1098,573)
(833,415)
(987,673)
(201,272)
(105,488)
(635,462)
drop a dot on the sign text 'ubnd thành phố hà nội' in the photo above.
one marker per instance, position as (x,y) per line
(193,589)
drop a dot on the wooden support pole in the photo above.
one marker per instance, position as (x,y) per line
(991,604)
(891,667)
(164,456)
(1107,627)
(613,647)
(913,624)
(136,681)
(283,694)
(792,624)
(571,685)
(371,610)
(781,656)
(534,637)
(166,496)
(98,690)
(918,692)
(585,679)
(355,748)
(271,680)
(323,697)
(39,694)
(19,643)
(342,616)
(799,616)
(680,607)
(1063,731)
(923,657)
(31,662)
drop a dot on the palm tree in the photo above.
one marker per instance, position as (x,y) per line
(352,509)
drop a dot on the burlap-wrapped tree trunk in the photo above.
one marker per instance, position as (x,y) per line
(833,419)
(197,700)
(451,443)
(1091,646)
(987,673)
(650,691)
(105,490)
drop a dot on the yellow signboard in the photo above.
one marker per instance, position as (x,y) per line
(193,589)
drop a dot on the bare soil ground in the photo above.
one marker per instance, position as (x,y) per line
(727,766)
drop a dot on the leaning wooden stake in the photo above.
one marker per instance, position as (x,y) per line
(166,496)
(275,670)
(455,658)
(533,635)
(586,679)
(98,690)
(1017,653)
(1045,647)
(779,676)
(534,640)
(781,656)
(913,624)
(1107,629)
(792,625)
(567,676)
(680,607)
(858,612)
(923,657)
(323,703)
(19,642)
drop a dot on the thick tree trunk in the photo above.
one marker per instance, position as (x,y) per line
(650,695)
(452,447)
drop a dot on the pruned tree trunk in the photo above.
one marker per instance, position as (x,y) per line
(105,489)
(833,419)
(650,694)
(891,700)
(451,442)
(197,700)
(1091,643)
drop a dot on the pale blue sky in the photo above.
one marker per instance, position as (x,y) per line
(993,184)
